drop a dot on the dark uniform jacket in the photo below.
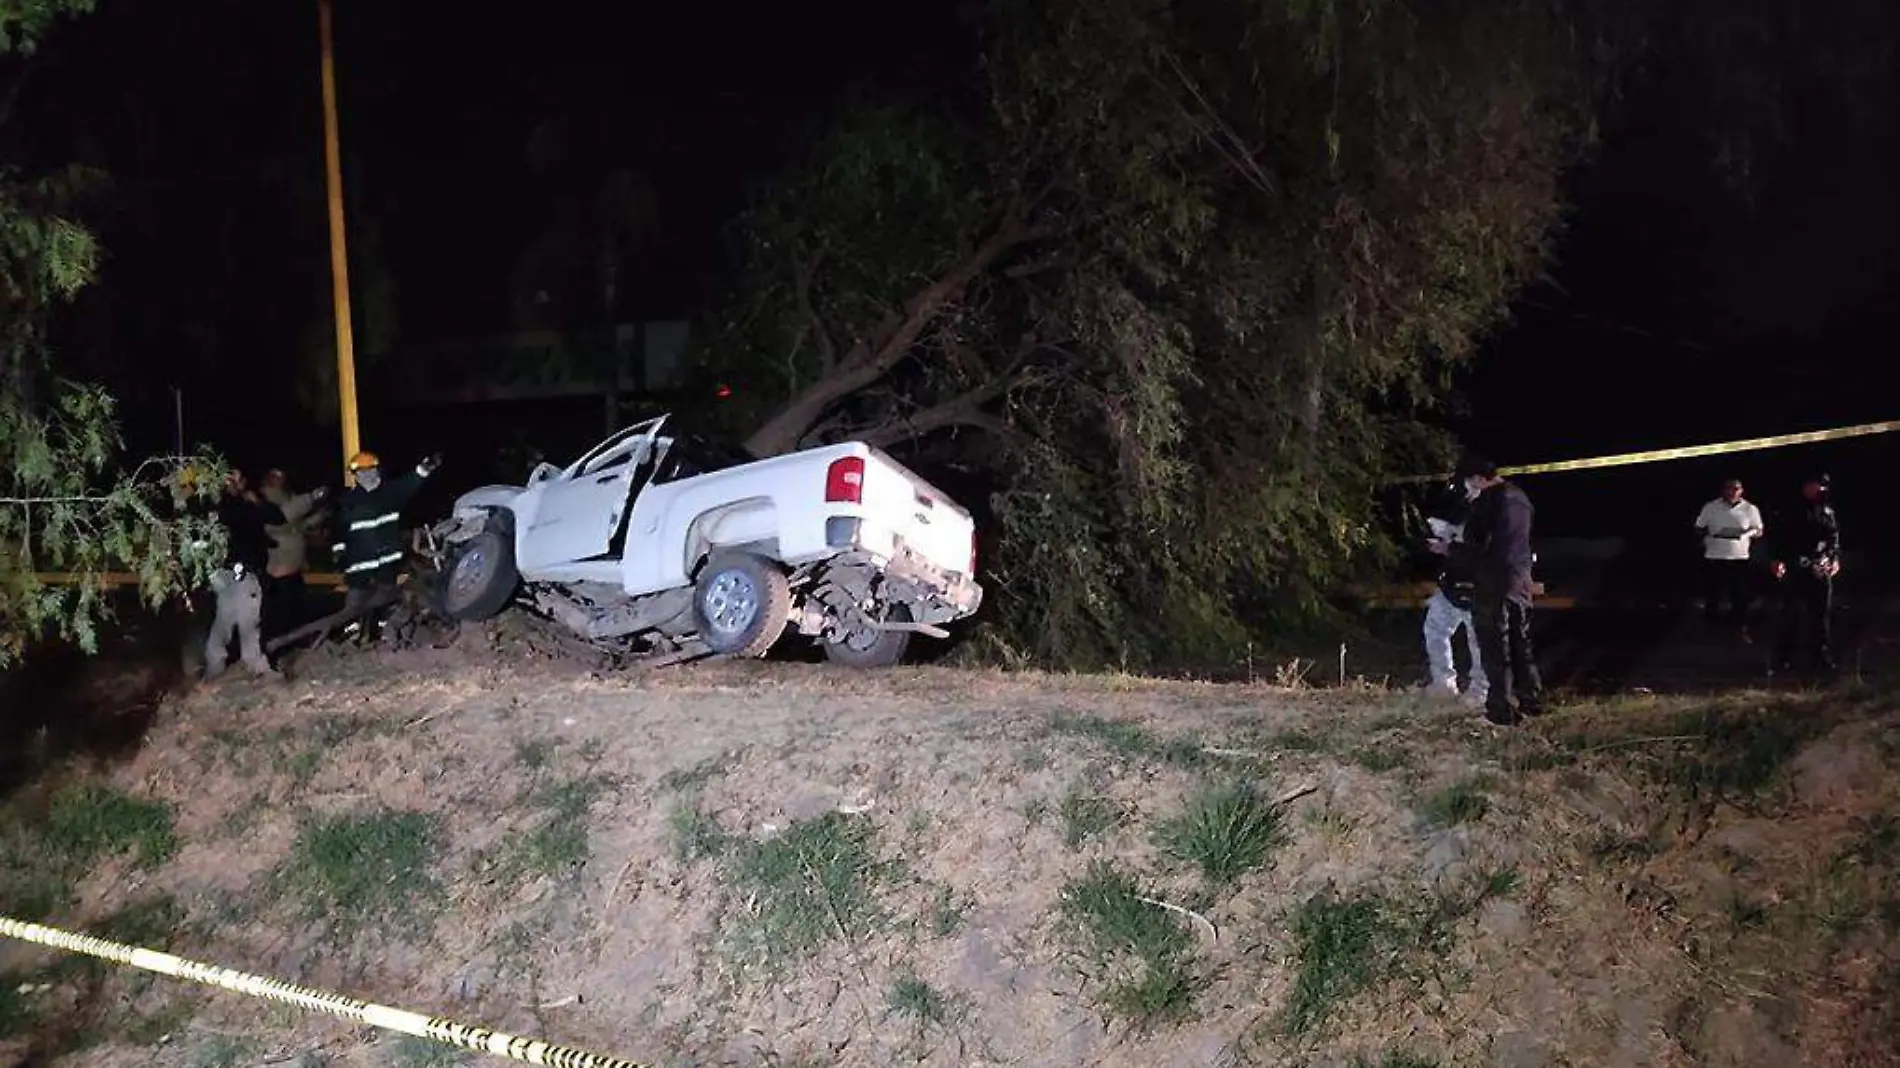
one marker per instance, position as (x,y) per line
(1812,536)
(1497,544)
(244,521)
(369,544)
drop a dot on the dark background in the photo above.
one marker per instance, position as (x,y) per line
(1681,308)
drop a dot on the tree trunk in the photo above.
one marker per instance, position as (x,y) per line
(871,359)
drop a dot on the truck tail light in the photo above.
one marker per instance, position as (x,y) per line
(844,481)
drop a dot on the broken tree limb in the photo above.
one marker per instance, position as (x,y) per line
(871,359)
(323,627)
(963,410)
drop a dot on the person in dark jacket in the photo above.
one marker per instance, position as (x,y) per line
(1497,550)
(369,528)
(238,584)
(1807,557)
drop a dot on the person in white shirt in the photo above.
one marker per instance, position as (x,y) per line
(1729,526)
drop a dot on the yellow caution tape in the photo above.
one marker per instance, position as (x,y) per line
(435,1028)
(1688,452)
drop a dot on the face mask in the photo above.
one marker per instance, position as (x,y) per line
(369,479)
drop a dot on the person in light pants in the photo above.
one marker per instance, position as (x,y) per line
(1449,610)
(240,594)
(240,611)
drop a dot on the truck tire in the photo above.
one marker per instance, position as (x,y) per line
(741,603)
(481,577)
(872,648)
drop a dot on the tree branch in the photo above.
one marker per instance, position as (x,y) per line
(965,409)
(872,358)
(802,274)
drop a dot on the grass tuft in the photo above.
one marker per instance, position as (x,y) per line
(1226,832)
(1146,950)
(221,1051)
(364,870)
(948,909)
(43,855)
(558,843)
(1133,741)
(1461,802)
(412,1052)
(686,780)
(697,834)
(1086,815)
(90,821)
(812,885)
(1340,947)
(918,1001)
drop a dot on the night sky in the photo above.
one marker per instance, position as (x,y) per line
(1679,311)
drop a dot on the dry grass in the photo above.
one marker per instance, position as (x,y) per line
(777,862)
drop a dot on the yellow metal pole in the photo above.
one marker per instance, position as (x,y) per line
(339,256)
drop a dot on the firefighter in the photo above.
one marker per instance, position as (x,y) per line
(369,548)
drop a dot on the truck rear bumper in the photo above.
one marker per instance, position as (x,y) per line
(932,594)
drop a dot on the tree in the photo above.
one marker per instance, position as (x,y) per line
(1197,279)
(66,505)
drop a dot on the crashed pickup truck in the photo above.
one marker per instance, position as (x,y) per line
(669,546)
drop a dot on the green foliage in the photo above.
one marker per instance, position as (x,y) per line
(24,23)
(66,504)
(1243,249)
(65,509)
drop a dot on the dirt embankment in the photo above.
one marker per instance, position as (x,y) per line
(787,865)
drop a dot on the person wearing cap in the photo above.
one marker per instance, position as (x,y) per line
(1729,525)
(1497,550)
(289,550)
(1449,609)
(369,527)
(237,586)
(1807,558)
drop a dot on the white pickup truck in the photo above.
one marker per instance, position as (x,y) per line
(670,546)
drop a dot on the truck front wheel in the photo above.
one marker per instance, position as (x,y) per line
(867,647)
(480,578)
(741,603)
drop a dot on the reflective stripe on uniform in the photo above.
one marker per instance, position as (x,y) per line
(381,520)
(371,565)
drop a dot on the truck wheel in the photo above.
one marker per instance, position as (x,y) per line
(741,603)
(867,648)
(481,577)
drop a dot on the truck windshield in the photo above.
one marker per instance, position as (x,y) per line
(689,456)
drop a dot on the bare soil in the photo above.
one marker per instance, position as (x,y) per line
(1664,881)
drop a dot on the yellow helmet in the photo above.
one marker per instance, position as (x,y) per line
(363,460)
